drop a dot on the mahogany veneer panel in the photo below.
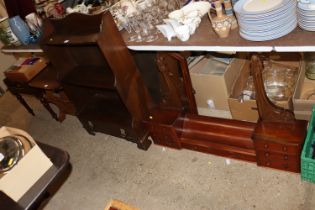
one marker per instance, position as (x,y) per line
(229,138)
(279,145)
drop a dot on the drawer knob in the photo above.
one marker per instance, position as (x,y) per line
(284,148)
(267,154)
(266,146)
(285,157)
(267,163)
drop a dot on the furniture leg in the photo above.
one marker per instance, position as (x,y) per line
(89,127)
(144,143)
(23,102)
(64,105)
(47,106)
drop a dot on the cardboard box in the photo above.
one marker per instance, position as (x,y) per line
(25,69)
(28,170)
(213,82)
(247,110)
(303,102)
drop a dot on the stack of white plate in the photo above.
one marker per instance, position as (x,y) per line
(306,15)
(261,20)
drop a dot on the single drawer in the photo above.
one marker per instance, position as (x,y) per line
(277,147)
(281,161)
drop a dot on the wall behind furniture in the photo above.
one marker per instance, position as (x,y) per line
(6,60)
(3,12)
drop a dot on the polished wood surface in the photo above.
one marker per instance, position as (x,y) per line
(127,75)
(278,137)
(279,145)
(232,138)
(177,91)
(125,70)
(99,75)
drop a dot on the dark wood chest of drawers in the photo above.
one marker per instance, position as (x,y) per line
(279,145)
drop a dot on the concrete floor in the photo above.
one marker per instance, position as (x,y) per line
(106,167)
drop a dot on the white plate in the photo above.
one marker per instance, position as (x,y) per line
(302,17)
(267,23)
(261,5)
(266,38)
(238,7)
(271,31)
(305,13)
(308,7)
(272,18)
(307,22)
(289,10)
(269,27)
(307,28)
(306,25)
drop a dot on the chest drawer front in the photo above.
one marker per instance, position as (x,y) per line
(276,147)
(281,161)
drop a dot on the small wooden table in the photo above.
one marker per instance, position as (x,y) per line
(18,88)
(46,185)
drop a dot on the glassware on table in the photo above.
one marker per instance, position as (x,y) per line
(135,26)
(143,24)
(149,32)
(279,81)
(249,91)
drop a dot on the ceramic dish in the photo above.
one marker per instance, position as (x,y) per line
(269,37)
(267,25)
(265,20)
(307,7)
(306,28)
(261,6)
(239,7)
(266,17)
(271,31)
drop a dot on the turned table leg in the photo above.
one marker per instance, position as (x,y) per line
(23,102)
(48,107)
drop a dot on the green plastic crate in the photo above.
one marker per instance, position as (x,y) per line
(307,163)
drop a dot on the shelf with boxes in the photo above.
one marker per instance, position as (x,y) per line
(304,95)
(223,84)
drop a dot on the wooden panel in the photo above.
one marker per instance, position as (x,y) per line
(125,70)
(275,147)
(219,149)
(279,161)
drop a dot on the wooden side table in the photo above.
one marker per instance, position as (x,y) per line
(46,185)
(47,89)
(19,88)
